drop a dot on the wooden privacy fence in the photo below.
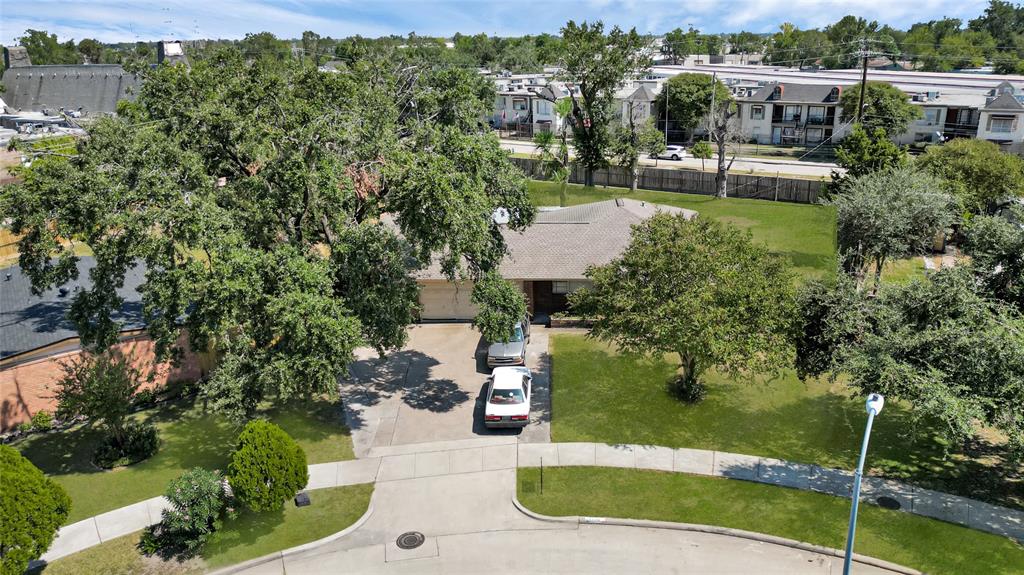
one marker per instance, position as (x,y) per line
(764,187)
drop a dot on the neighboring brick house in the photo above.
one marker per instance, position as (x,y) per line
(37,339)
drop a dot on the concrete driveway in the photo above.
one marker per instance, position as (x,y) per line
(432,390)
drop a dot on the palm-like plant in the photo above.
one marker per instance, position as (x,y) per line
(553,152)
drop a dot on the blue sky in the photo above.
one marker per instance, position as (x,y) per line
(112,20)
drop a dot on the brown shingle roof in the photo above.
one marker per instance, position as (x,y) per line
(563,243)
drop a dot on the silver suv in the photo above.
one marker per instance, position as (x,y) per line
(512,352)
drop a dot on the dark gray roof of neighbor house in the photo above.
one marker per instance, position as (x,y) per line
(96,88)
(794,93)
(29,322)
(642,94)
(562,243)
(1005,102)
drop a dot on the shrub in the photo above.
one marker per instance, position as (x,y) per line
(25,426)
(100,387)
(197,504)
(42,420)
(268,467)
(32,507)
(140,441)
(144,398)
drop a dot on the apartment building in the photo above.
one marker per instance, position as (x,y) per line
(791,114)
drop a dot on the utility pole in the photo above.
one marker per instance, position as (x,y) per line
(863,77)
(711,114)
(666,110)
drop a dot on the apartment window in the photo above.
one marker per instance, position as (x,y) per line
(791,114)
(931,117)
(922,137)
(816,114)
(1002,124)
(543,107)
(814,135)
(519,104)
(757,112)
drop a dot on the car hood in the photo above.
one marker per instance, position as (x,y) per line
(510,349)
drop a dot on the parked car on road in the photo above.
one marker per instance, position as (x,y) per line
(509,390)
(513,351)
(673,152)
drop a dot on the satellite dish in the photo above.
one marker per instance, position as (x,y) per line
(500,216)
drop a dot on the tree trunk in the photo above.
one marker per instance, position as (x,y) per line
(721,178)
(635,173)
(562,199)
(688,386)
(588,177)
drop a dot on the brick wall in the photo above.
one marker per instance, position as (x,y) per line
(28,387)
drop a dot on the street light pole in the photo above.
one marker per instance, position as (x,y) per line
(874,407)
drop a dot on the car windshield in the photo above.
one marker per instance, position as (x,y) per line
(517,333)
(507,396)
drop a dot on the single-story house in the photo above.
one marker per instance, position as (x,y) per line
(37,340)
(548,260)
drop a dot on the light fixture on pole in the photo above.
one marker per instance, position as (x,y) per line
(874,406)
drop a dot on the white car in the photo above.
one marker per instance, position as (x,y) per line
(509,391)
(673,152)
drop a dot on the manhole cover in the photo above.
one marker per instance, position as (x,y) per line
(888,503)
(410,540)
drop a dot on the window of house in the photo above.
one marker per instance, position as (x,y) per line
(931,117)
(543,107)
(757,112)
(1002,124)
(519,104)
(791,114)
(816,114)
(814,135)
(566,287)
(923,137)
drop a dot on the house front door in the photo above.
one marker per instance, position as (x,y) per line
(776,135)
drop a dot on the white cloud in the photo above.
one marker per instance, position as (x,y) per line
(122,20)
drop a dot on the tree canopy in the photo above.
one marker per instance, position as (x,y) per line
(982,176)
(252,194)
(700,289)
(889,214)
(689,98)
(886,107)
(952,354)
(33,507)
(597,62)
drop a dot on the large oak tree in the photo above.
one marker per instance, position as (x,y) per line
(258,195)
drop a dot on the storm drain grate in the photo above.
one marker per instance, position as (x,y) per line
(888,503)
(410,540)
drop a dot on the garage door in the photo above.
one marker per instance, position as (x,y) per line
(446,301)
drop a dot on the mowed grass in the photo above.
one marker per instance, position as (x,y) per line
(603,396)
(926,544)
(190,437)
(249,536)
(805,234)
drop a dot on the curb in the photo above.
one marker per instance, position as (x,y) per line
(692,527)
(276,555)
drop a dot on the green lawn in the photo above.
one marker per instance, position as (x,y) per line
(189,437)
(249,536)
(806,234)
(600,395)
(932,546)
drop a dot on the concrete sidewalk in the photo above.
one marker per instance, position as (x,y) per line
(462,486)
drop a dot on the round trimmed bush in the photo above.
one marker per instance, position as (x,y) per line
(267,468)
(32,508)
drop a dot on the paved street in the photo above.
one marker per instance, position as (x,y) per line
(740,166)
(471,526)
